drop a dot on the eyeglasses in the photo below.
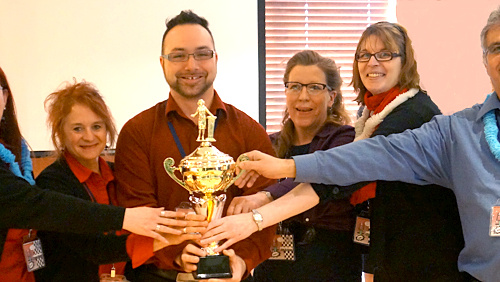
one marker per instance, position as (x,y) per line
(493,49)
(381,56)
(295,88)
(200,55)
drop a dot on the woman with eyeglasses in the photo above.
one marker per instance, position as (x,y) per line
(315,245)
(24,207)
(414,232)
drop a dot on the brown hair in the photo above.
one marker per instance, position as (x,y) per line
(9,127)
(185,17)
(336,114)
(59,105)
(395,38)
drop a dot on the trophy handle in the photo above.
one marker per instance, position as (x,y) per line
(241,158)
(170,168)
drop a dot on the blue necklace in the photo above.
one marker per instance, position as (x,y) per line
(9,158)
(491,132)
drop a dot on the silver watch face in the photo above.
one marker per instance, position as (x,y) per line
(257,216)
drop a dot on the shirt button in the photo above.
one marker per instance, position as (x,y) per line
(335,190)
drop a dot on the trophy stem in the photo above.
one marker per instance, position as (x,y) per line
(210,206)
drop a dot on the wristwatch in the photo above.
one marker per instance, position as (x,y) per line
(257,217)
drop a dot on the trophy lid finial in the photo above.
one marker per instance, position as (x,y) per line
(205,115)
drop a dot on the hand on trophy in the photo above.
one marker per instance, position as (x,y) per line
(232,228)
(150,222)
(190,257)
(265,165)
(244,204)
(238,267)
(195,227)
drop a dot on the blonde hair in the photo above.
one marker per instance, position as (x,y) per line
(336,114)
(59,104)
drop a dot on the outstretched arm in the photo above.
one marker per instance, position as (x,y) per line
(235,228)
(265,165)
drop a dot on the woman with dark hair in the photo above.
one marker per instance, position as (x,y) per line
(314,119)
(415,231)
(24,205)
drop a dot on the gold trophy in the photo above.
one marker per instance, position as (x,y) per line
(207,170)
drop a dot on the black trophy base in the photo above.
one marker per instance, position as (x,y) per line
(213,267)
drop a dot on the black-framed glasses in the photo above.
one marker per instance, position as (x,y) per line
(199,55)
(294,88)
(493,49)
(382,56)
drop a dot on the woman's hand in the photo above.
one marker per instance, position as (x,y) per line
(234,228)
(244,204)
(265,165)
(193,231)
(145,221)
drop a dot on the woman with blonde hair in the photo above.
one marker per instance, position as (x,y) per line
(314,119)
(82,126)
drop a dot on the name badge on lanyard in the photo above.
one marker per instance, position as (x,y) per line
(495,220)
(33,253)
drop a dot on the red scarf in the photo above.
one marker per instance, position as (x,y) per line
(374,103)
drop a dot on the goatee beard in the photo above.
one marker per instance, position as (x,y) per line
(183,93)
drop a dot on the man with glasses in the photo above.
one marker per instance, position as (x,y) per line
(460,152)
(169,129)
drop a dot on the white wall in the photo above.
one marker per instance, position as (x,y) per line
(116,45)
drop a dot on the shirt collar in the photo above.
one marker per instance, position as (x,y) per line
(491,103)
(82,173)
(217,105)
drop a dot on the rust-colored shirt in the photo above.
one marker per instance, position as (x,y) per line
(146,141)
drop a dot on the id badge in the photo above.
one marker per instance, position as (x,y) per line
(495,220)
(362,231)
(33,253)
(283,247)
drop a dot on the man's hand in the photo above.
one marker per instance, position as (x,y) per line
(265,165)
(246,204)
(189,257)
(234,228)
(238,267)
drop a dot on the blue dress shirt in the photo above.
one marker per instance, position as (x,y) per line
(450,151)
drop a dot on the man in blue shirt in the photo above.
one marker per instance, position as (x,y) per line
(460,152)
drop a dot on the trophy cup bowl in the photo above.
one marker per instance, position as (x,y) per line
(207,171)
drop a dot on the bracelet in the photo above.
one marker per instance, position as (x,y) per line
(268,195)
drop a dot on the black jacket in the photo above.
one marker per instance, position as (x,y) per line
(416,232)
(72,257)
(25,206)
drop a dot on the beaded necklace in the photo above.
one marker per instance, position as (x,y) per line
(491,132)
(9,158)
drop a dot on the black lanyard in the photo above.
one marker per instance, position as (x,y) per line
(176,138)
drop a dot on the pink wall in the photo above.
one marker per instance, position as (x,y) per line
(445,35)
